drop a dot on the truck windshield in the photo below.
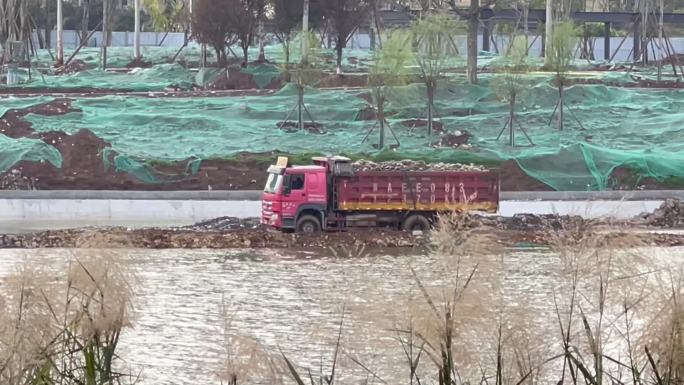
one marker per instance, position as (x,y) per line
(273,183)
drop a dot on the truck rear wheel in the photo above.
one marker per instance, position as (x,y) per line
(308,224)
(416,222)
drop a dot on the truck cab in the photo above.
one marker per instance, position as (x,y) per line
(295,197)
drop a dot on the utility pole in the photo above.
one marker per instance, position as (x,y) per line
(549,32)
(305,30)
(60,35)
(136,33)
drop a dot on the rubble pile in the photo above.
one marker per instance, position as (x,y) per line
(222,224)
(413,165)
(669,214)
(15,180)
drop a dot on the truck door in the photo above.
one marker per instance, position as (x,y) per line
(295,194)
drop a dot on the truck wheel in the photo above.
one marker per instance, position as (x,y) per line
(416,222)
(308,224)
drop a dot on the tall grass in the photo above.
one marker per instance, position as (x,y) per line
(65,329)
(614,321)
(593,338)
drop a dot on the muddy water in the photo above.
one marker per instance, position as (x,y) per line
(294,302)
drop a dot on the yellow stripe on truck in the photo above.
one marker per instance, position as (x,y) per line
(408,206)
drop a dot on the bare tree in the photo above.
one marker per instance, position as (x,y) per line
(509,82)
(388,71)
(435,53)
(307,72)
(563,41)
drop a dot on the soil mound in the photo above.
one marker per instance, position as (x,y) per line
(224,223)
(669,214)
(233,79)
(73,67)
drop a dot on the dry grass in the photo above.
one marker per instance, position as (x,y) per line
(619,319)
(243,359)
(65,328)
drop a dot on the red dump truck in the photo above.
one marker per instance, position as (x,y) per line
(331,195)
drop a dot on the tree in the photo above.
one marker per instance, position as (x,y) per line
(212,25)
(562,52)
(345,17)
(244,21)
(15,21)
(388,71)
(287,16)
(509,82)
(435,52)
(473,30)
(307,72)
(167,15)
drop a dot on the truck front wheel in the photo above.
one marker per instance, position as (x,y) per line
(308,224)
(416,222)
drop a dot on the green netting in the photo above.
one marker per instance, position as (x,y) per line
(156,78)
(13,151)
(9,103)
(263,74)
(620,127)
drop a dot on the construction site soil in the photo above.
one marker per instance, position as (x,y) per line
(228,232)
(82,165)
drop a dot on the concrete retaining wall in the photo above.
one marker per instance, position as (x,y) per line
(22,211)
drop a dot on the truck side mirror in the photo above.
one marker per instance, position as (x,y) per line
(286,185)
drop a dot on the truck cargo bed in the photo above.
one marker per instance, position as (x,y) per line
(418,191)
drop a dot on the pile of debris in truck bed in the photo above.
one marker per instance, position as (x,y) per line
(413,165)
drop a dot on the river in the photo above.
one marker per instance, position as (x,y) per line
(294,302)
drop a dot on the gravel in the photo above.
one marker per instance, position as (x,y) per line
(413,165)
(223,223)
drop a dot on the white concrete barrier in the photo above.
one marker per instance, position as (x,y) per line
(21,215)
(22,211)
(585,209)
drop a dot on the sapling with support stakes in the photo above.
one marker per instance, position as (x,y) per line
(387,72)
(435,53)
(509,83)
(561,52)
(307,72)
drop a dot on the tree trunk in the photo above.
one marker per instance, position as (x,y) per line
(245,53)
(549,32)
(338,49)
(381,120)
(473,30)
(105,32)
(48,30)
(85,18)
(305,30)
(511,120)
(561,103)
(262,54)
(300,106)
(136,33)
(430,107)
(60,35)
